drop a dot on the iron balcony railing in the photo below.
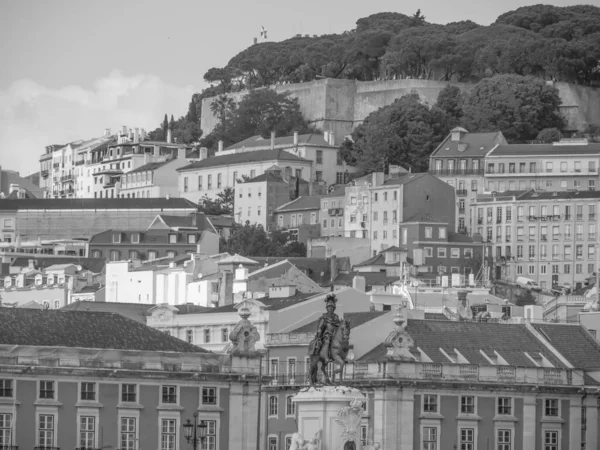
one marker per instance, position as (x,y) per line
(451,172)
(9,447)
(45,448)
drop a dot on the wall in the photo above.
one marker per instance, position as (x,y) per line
(340,105)
(23,296)
(129,287)
(357,249)
(429,195)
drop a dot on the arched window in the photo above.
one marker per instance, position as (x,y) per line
(273,405)
(290,406)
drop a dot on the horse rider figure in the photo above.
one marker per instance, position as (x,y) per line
(326,328)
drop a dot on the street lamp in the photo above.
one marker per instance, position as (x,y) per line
(195,433)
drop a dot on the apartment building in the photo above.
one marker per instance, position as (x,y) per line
(459,161)
(570,164)
(300,218)
(256,199)
(332,211)
(550,237)
(99,380)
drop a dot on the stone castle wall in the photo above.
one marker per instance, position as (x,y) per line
(340,105)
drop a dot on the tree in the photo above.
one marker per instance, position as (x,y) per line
(222,107)
(450,101)
(403,133)
(222,205)
(548,135)
(226,198)
(260,112)
(518,106)
(172,123)
(192,115)
(165,125)
(252,240)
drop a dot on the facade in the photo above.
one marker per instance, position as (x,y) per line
(441,383)
(14,185)
(460,161)
(332,211)
(88,380)
(550,237)
(166,237)
(156,179)
(300,218)
(570,164)
(257,199)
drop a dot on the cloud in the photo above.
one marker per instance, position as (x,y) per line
(33,116)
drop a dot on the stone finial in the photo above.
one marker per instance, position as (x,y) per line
(245,335)
(399,342)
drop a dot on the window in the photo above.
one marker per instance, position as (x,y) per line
(211,435)
(219,180)
(116,238)
(430,438)
(206,335)
(191,238)
(428,232)
(46,430)
(224,331)
(6,389)
(319,156)
(172,238)
(428,252)
(505,406)
(128,392)
(442,233)
(551,407)
(87,432)
(209,395)
(128,433)
(47,389)
(273,445)
(199,182)
(454,253)
(209,182)
(430,403)
(169,394)
(467,439)
(168,434)
(318,175)
(404,232)
(185,184)
(189,336)
(504,439)
(273,405)
(550,440)
(467,404)
(88,391)
(152,255)
(134,254)
(441,252)
(290,406)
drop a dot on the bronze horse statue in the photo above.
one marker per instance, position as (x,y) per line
(338,348)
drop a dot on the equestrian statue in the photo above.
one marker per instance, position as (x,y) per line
(331,343)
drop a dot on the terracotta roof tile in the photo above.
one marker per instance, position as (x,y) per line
(574,343)
(243,158)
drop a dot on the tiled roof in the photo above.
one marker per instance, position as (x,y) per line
(97,203)
(317,269)
(435,316)
(84,329)
(222,221)
(337,190)
(457,237)
(267,176)
(94,265)
(377,260)
(303,139)
(301,204)
(243,158)
(525,150)
(543,195)
(356,319)
(272,271)
(272,304)
(191,309)
(574,343)
(237,259)
(146,237)
(404,179)
(423,218)
(149,166)
(377,353)
(133,311)
(371,278)
(474,144)
(470,338)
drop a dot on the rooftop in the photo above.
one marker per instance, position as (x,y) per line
(133,311)
(356,319)
(473,145)
(555,149)
(94,265)
(267,176)
(573,342)
(301,203)
(271,304)
(84,329)
(238,259)
(404,179)
(371,278)
(243,158)
(149,166)
(303,139)
(96,203)
(540,195)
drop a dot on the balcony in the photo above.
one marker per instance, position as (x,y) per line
(44,173)
(579,216)
(9,447)
(453,172)
(66,178)
(56,165)
(46,448)
(461,210)
(79,162)
(592,217)
(461,192)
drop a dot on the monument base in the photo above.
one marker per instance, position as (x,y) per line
(329,418)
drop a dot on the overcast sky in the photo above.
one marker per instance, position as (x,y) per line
(71,68)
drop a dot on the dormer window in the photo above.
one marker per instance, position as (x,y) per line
(116,238)
(135,238)
(442,233)
(172,238)
(191,238)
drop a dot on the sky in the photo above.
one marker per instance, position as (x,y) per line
(72,68)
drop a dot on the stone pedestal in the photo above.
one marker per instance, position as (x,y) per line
(331,413)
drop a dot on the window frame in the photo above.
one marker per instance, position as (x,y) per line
(53,390)
(7,388)
(85,392)
(273,406)
(437,403)
(123,394)
(208,396)
(473,405)
(168,395)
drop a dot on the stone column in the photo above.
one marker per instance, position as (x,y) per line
(575,422)
(332,413)
(591,422)
(529,421)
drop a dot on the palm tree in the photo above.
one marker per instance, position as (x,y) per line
(222,106)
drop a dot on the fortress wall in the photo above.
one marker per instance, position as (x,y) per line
(340,105)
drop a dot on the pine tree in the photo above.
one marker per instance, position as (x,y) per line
(165,125)
(192,115)
(172,123)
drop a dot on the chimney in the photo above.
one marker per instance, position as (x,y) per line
(255,41)
(226,289)
(333,268)
(272,140)
(131,135)
(359,283)
(124,133)
(169,136)
(202,153)
(220,146)
(31,264)
(107,132)
(295,138)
